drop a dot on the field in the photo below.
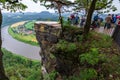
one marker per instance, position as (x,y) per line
(29,25)
(27,38)
(18,24)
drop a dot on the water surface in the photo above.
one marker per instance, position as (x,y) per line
(18,47)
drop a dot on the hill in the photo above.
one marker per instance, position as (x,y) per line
(10,18)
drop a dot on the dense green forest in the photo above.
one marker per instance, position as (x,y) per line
(20,68)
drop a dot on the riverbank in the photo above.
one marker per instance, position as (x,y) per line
(18,47)
(21,32)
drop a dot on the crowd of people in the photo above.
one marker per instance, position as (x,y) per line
(74,19)
(110,21)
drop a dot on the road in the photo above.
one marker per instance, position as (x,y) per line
(18,47)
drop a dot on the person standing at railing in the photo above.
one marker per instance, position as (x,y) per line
(82,21)
(76,19)
(72,17)
(96,23)
(107,27)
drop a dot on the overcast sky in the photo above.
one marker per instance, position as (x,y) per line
(33,7)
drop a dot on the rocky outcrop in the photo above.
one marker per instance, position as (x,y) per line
(47,34)
(70,56)
(53,60)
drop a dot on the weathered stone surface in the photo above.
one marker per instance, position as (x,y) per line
(47,34)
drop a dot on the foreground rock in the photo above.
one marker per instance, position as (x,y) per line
(47,34)
(73,58)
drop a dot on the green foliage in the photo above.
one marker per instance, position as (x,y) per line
(52,56)
(66,23)
(100,40)
(53,75)
(66,46)
(72,78)
(88,74)
(62,45)
(80,38)
(36,76)
(12,5)
(106,40)
(90,57)
(18,67)
(68,27)
(72,31)
(108,68)
(53,3)
(102,4)
(95,58)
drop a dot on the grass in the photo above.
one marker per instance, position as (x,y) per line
(29,25)
(30,39)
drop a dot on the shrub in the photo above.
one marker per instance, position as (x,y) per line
(66,46)
(90,57)
(88,74)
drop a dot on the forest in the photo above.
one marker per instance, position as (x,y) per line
(20,68)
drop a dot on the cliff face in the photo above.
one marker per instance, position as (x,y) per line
(47,35)
(55,61)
